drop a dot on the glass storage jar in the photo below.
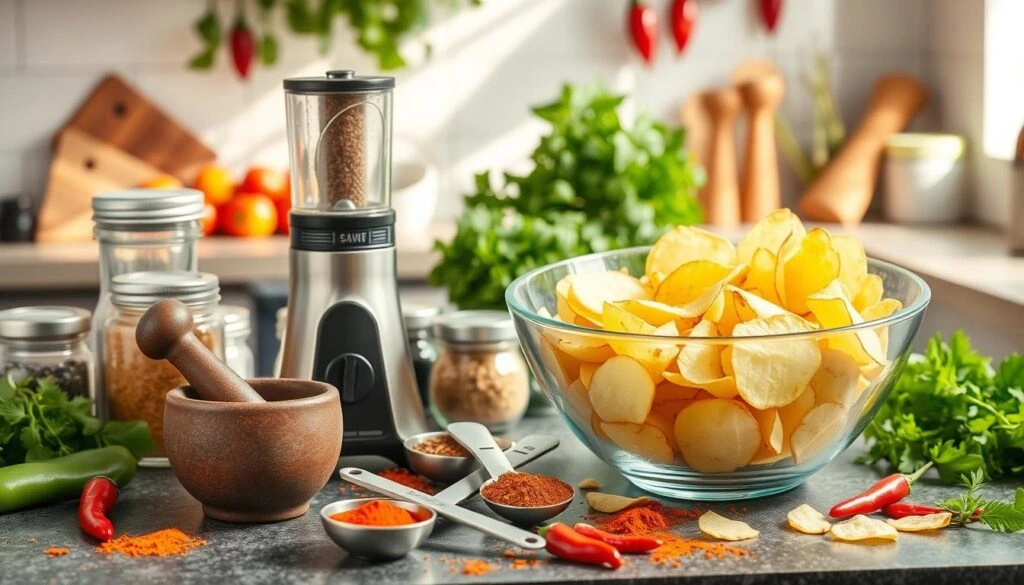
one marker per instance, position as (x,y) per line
(41,342)
(480,374)
(237,327)
(419,324)
(280,326)
(141,230)
(136,385)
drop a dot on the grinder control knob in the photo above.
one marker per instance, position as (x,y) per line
(352,375)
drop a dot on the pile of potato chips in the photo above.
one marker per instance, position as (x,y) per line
(721,404)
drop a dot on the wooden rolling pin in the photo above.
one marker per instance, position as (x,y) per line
(759,186)
(720,196)
(843,191)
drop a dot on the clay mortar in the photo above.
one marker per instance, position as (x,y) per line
(255,461)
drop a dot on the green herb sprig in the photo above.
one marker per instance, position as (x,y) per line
(38,421)
(997,515)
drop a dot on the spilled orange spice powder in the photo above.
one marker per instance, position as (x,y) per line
(162,543)
(408,479)
(57,551)
(476,567)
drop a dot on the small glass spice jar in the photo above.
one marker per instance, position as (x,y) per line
(136,385)
(480,374)
(41,342)
(419,329)
(237,327)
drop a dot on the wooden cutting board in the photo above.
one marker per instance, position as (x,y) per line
(81,167)
(119,115)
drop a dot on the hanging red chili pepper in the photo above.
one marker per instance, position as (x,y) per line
(243,46)
(643,29)
(889,490)
(99,495)
(770,10)
(566,543)
(683,17)
(622,543)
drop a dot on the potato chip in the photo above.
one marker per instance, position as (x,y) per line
(723,313)
(611,503)
(586,353)
(686,244)
(773,373)
(621,390)
(806,519)
(761,276)
(690,282)
(716,435)
(833,310)
(766,457)
(836,378)
(595,425)
(853,263)
(655,357)
(727,361)
(871,290)
(645,441)
(565,312)
(818,429)
(701,362)
(814,266)
(656,313)
(556,363)
(769,234)
(861,527)
(589,483)
(722,528)
(589,292)
(793,413)
(587,370)
(750,306)
(665,421)
(881,310)
(770,424)
(921,523)
(674,389)
(576,404)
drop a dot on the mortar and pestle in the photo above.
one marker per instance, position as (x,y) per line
(249,451)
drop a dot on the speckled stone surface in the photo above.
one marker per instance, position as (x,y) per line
(298,551)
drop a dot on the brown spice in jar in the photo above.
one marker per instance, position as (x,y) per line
(480,385)
(136,385)
(443,445)
(517,488)
(344,148)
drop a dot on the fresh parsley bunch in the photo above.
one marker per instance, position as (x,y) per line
(951,407)
(38,421)
(972,507)
(596,185)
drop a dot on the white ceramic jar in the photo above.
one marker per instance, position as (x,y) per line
(923,179)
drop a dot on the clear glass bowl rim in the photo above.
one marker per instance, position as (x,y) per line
(517,309)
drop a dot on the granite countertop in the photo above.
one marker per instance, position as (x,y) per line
(298,551)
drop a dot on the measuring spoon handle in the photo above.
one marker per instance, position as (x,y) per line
(485,524)
(478,440)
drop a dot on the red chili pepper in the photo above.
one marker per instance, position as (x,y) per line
(99,495)
(623,544)
(683,18)
(566,543)
(643,28)
(903,509)
(243,46)
(889,490)
(770,10)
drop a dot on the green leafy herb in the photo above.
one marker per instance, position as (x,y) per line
(208,29)
(39,421)
(951,407)
(596,185)
(997,515)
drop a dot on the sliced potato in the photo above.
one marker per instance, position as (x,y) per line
(723,312)
(833,309)
(577,404)
(871,290)
(588,292)
(587,370)
(853,263)
(690,282)
(673,389)
(861,528)
(595,425)
(727,362)
(822,425)
(701,362)
(552,361)
(685,244)
(722,528)
(770,233)
(793,413)
(655,357)
(770,423)
(656,313)
(814,266)
(612,503)
(565,312)
(806,519)
(645,441)
(716,435)
(761,276)
(664,421)
(770,374)
(921,523)
(881,310)
(585,353)
(750,306)
(621,390)
(836,378)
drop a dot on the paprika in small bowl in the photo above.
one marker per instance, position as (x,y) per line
(377,529)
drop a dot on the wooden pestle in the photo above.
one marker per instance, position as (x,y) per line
(165,331)
(720,196)
(759,185)
(843,191)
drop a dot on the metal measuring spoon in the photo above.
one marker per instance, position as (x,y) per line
(478,440)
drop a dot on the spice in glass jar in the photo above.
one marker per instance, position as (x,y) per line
(521,489)
(480,375)
(47,342)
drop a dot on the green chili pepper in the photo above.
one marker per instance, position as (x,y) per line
(45,482)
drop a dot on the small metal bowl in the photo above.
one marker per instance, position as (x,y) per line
(442,468)
(526,515)
(377,543)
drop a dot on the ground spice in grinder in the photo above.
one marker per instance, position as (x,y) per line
(526,490)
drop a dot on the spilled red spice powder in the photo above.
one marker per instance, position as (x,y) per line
(408,479)
(476,567)
(57,551)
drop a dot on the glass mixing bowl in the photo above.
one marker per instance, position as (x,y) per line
(815,427)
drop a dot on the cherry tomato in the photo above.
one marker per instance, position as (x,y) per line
(249,215)
(209,219)
(283,207)
(216,183)
(270,182)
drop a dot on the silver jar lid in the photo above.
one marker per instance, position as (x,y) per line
(44,322)
(475,327)
(236,319)
(419,316)
(142,289)
(139,208)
